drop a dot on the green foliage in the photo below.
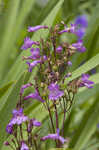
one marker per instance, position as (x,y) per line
(81,123)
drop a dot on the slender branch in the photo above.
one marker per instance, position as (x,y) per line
(21,134)
(56,114)
(64,117)
(50,115)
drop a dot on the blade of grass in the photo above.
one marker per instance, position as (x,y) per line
(16,29)
(87,127)
(90,64)
(4,89)
(8,34)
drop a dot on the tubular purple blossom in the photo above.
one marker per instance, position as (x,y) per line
(28,43)
(9,128)
(34,95)
(18,117)
(71,29)
(69,63)
(82,21)
(24,146)
(35,53)
(24,87)
(33,64)
(54,92)
(36,123)
(80,33)
(54,137)
(85,81)
(79,46)
(33,122)
(59,49)
(68,75)
(6,143)
(38,27)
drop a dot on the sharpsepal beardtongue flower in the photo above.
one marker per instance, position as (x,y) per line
(24,87)
(35,28)
(54,91)
(55,136)
(85,82)
(9,128)
(18,118)
(53,58)
(79,46)
(71,29)
(6,143)
(33,122)
(69,63)
(33,64)
(28,43)
(59,49)
(35,53)
(24,146)
(34,95)
(82,23)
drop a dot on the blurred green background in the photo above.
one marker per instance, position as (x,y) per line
(15,16)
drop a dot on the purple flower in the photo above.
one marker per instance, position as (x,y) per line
(33,29)
(28,43)
(36,123)
(34,95)
(18,117)
(59,49)
(68,75)
(79,46)
(24,146)
(54,137)
(24,87)
(35,53)
(86,82)
(44,58)
(54,92)
(80,33)
(69,63)
(33,64)
(33,122)
(6,143)
(82,21)
(71,29)
(9,128)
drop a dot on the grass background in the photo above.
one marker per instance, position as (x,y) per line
(15,15)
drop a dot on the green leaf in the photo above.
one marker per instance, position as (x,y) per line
(93,146)
(8,35)
(4,89)
(90,64)
(46,10)
(86,128)
(16,29)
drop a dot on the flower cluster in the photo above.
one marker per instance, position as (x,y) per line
(53,60)
(15,124)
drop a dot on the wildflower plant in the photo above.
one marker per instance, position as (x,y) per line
(52,56)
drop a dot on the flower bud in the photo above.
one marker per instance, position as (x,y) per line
(6,143)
